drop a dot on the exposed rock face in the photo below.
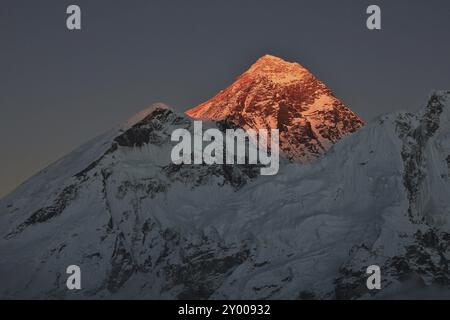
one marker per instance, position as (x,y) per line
(275,94)
(141,227)
(114,199)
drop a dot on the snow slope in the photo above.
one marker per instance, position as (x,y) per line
(141,227)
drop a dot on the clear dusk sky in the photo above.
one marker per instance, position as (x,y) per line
(60,88)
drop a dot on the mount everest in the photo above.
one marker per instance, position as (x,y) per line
(141,227)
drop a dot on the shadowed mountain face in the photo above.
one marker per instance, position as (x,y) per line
(141,227)
(275,94)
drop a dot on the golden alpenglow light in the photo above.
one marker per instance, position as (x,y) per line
(275,94)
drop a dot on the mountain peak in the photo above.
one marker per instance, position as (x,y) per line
(143,114)
(276,94)
(268,58)
(277,70)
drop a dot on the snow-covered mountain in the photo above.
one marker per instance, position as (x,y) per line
(275,94)
(141,227)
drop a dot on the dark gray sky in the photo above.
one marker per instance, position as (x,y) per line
(59,89)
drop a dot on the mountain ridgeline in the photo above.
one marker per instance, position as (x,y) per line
(275,94)
(142,227)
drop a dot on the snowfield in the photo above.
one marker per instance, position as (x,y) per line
(141,227)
